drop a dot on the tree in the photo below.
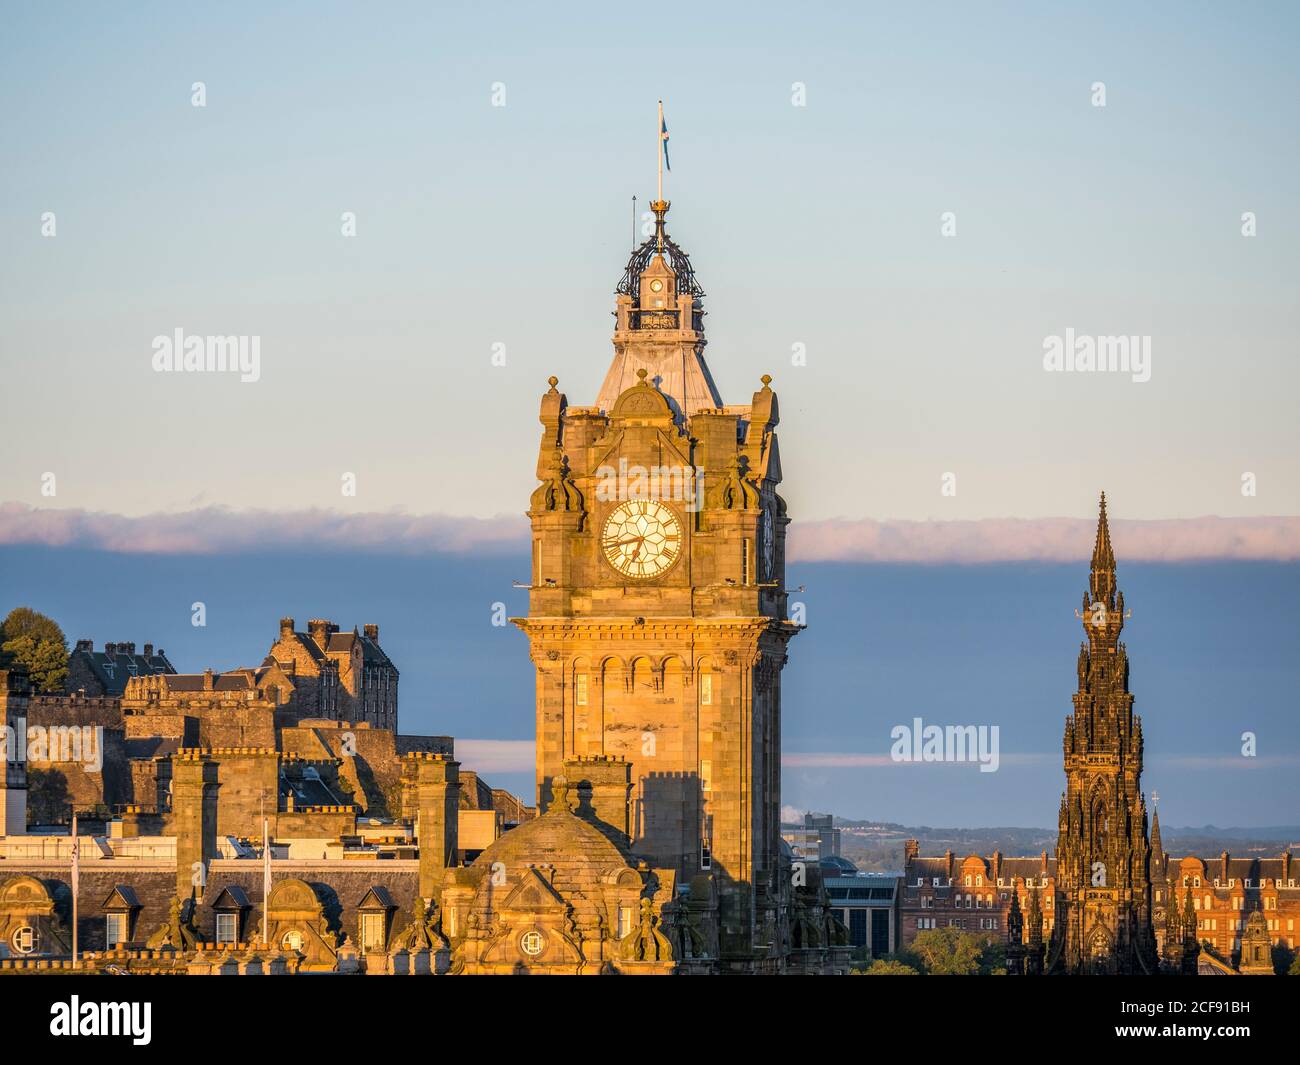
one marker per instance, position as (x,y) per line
(993,956)
(47,796)
(948,952)
(887,967)
(1295,966)
(37,644)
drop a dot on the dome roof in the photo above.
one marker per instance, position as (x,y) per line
(558,837)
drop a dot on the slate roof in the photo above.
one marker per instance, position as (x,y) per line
(239,680)
(113,671)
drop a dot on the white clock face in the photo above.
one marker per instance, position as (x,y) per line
(642,538)
(656,286)
(769,544)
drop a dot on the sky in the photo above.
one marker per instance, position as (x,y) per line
(893,209)
(814,228)
(1211,648)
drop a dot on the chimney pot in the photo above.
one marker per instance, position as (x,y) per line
(319,630)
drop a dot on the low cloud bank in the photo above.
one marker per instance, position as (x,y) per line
(216,530)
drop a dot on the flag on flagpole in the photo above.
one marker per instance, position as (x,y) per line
(663,135)
(266,874)
(76,884)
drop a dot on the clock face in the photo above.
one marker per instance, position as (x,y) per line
(656,285)
(769,544)
(642,538)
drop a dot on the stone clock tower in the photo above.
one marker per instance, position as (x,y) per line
(657,616)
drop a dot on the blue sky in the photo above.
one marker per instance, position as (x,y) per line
(815,225)
(1211,648)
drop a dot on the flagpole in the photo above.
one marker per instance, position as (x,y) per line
(266,874)
(76,884)
(659,144)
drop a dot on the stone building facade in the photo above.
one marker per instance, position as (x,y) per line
(344,675)
(975,894)
(1226,894)
(107,672)
(658,628)
(658,616)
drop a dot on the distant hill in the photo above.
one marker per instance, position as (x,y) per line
(877,846)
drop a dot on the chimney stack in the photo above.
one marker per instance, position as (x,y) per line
(319,631)
(372,633)
(148,650)
(194,819)
(286,628)
(435,781)
(208,684)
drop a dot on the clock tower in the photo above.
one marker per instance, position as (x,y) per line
(657,616)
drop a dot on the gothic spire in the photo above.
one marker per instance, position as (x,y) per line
(1102,580)
(1035,918)
(1155,832)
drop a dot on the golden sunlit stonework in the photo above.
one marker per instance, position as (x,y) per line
(658,625)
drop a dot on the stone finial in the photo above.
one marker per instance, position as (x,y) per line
(766,379)
(641,375)
(552,381)
(560,792)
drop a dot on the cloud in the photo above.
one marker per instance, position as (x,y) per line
(213,530)
(1044,540)
(220,530)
